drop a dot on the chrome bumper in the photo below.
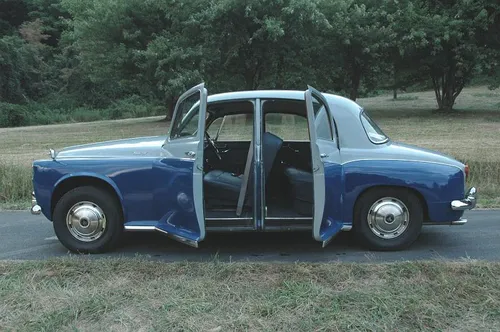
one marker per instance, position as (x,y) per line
(468,203)
(35,208)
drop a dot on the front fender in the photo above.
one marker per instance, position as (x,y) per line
(49,175)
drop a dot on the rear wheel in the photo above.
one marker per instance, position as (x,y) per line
(88,220)
(388,218)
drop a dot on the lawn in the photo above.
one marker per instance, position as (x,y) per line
(80,294)
(470,134)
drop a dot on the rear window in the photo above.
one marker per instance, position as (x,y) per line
(373,131)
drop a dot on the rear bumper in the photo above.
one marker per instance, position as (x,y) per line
(35,208)
(468,203)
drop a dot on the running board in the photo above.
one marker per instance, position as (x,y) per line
(139,228)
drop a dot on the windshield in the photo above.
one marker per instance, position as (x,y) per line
(373,131)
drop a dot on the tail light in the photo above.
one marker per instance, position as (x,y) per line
(466,170)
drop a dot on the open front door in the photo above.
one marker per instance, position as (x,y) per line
(178,202)
(327,171)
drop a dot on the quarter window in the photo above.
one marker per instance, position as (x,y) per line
(374,133)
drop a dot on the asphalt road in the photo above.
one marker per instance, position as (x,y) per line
(23,236)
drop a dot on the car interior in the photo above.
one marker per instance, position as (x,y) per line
(286,156)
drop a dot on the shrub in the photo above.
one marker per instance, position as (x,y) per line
(12,115)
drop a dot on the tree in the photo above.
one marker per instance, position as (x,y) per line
(449,45)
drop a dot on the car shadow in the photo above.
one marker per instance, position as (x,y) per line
(286,247)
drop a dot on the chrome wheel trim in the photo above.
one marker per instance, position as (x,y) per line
(86,221)
(388,218)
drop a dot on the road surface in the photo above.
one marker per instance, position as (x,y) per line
(24,236)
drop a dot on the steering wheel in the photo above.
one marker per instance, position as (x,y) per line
(212,145)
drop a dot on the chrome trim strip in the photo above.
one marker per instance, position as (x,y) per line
(140,228)
(461,221)
(391,159)
(290,218)
(229,219)
(468,203)
(346,228)
(230,229)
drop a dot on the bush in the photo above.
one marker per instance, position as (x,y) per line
(12,115)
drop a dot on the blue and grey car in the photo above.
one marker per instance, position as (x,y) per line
(252,161)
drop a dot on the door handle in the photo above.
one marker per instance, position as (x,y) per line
(191,154)
(323,155)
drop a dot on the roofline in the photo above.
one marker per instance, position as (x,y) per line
(255,94)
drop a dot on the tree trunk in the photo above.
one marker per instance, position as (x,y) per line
(395,82)
(170,107)
(355,80)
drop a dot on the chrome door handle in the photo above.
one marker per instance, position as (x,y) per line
(323,155)
(191,154)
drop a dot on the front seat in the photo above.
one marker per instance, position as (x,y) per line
(223,188)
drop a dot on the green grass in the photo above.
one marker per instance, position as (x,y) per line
(77,293)
(470,134)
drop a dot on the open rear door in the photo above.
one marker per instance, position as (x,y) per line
(179,201)
(327,171)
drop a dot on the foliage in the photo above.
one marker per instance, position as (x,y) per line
(91,53)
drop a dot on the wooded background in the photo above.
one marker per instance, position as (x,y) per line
(63,60)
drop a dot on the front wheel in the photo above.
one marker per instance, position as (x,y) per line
(88,220)
(388,218)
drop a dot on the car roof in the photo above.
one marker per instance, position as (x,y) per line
(263,94)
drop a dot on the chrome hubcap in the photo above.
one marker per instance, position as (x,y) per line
(388,218)
(86,221)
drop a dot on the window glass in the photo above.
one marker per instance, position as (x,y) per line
(236,127)
(375,134)
(289,127)
(186,120)
(322,121)
(214,127)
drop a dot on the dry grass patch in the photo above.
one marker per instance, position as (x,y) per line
(138,295)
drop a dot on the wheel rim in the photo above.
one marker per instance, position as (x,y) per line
(388,218)
(86,221)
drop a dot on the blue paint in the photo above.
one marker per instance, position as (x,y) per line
(438,184)
(332,215)
(159,191)
(173,203)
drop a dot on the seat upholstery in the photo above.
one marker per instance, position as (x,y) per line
(302,190)
(223,188)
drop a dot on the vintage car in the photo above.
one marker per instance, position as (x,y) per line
(252,161)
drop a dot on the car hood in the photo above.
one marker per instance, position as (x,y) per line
(132,147)
(411,152)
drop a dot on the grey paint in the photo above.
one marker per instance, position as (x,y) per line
(124,148)
(353,141)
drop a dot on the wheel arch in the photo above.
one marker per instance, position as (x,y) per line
(417,193)
(73,181)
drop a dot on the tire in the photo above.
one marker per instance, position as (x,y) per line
(379,216)
(96,224)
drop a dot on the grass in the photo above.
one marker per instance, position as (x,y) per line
(77,293)
(470,134)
